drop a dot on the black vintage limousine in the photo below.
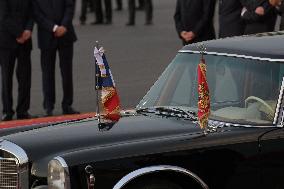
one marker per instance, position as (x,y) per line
(160,145)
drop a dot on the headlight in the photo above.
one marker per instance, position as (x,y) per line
(58,174)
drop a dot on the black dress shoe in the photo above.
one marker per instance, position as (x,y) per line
(140,8)
(48,112)
(148,23)
(69,110)
(25,115)
(108,22)
(97,22)
(130,24)
(7,117)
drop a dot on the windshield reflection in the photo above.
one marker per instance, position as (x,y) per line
(242,90)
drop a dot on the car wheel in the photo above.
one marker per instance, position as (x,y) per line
(154,184)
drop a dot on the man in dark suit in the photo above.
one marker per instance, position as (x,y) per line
(194,20)
(230,21)
(259,16)
(56,34)
(99,12)
(147,5)
(16,26)
(279,5)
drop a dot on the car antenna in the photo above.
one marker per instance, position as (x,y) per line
(97,86)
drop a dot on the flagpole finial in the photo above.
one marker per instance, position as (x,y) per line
(202,48)
(97,44)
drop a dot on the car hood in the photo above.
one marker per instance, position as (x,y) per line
(87,134)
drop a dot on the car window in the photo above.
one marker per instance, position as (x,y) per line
(242,90)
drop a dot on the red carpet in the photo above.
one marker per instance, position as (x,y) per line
(45,120)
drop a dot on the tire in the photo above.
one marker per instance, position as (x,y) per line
(154,184)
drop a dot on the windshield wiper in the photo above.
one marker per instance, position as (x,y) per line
(170,112)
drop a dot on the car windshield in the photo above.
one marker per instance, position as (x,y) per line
(242,91)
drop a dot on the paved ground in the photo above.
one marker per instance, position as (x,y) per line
(137,55)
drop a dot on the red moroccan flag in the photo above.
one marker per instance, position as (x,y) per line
(203,95)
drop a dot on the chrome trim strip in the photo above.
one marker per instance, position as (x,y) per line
(232,55)
(216,123)
(282,119)
(137,173)
(62,162)
(280,98)
(23,160)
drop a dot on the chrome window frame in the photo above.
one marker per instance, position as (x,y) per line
(278,120)
(22,158)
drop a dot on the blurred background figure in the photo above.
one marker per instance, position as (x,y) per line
(56,34)
(279,5)
(15,45)
(103,18)
(118,5)
(147,5)
(140,5)
(230,21)
(85,5)
(259,16)
(194,20)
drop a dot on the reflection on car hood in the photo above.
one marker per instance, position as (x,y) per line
(72,137)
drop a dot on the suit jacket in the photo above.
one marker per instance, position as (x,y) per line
(49,13)
(231,23)
(282,15)
(256,23)
(195,16)
(15,17)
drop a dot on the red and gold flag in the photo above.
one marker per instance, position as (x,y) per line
(203,95)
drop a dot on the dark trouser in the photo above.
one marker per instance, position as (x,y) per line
(119,4)
(84,6)
(140,3)
(84,9)
(148,5)
(48,59)
(99,11)
(131,11)
(23,72)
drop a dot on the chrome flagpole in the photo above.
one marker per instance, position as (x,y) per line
(97,86)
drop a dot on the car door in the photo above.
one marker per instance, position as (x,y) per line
(272,158)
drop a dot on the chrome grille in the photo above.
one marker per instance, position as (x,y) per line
(8,173)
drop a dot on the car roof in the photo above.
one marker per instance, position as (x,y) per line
(264,46)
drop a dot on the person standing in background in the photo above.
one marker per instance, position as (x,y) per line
(259,16)
(99,12)
(194,20)
(230,21)
(16,24)
(280,8)
(84,10)
(56,34)
(148,6)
